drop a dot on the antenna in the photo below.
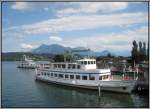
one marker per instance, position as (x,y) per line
(65,55)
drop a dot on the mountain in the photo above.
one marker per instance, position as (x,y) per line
(104,53)
(53,49)
(59,49)
(17,56)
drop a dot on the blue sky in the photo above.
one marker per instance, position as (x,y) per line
(97,25)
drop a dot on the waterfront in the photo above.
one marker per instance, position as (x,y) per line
(19,89)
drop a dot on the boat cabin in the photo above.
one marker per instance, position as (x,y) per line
(87,64)
(84,64)
(83,69)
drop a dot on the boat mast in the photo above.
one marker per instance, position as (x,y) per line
(24,57)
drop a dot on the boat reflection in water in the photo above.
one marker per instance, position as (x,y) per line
(78,97)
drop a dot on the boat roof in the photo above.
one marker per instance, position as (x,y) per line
(63,63)
(42,62)
(87,59)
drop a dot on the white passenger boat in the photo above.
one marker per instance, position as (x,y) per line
(30,64)
(26,63)
(83,74)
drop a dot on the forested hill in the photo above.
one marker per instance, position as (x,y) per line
(16,56)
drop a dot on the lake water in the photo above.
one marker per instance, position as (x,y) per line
(19,89)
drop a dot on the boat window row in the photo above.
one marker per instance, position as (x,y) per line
(103,77)
(87,62)
(27,64)
(71,76)
(44,64)
(69,66)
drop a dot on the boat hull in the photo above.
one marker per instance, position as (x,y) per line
(26,67)
(104,85)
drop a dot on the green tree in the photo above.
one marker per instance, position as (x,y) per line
(144,51)
(134,52)
(140,52)
(148,51)
(67,56)
(59,58)
(62,58)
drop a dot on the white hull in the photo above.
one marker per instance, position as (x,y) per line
(111,85)
(28,67)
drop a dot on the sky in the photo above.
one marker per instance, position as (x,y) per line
(99,26)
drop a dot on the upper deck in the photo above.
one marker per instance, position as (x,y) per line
(87,64)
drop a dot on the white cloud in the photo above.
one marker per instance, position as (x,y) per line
(55,38)
(21,6)
(31,6)
(71,23)
(117,42)
(27,46)
(140,34)
(92,7)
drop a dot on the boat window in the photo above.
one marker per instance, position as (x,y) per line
(91,77)
(88,62)
(85,62)
(71,76)
(69,66)
(63,65)
(48,74)
(94,62)
(55,66)
(78,66)
(105,77)
(73,66)
(81,62)
(84,77)
(77,76)
(38,74)
(60,75)
(100,77)
(59,66)
(51,74)
(66,76)
(91,62)
(55,75)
